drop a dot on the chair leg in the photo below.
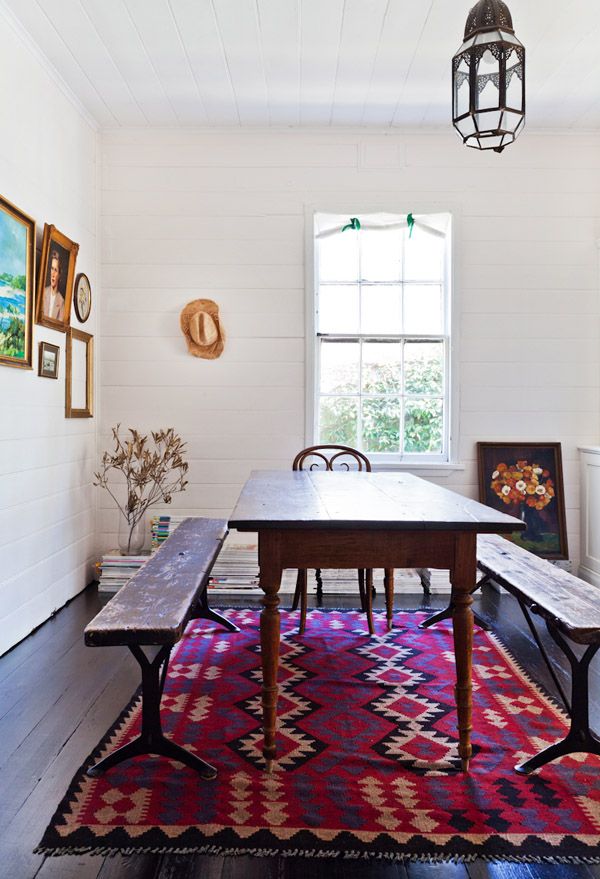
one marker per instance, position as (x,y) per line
(369,600)
(297,591)
(361,589)
(388,584)
(319,580)
(302,584)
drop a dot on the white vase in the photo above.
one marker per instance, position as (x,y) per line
(131,538)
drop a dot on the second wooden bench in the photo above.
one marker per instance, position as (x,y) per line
(570,608)
(152,610)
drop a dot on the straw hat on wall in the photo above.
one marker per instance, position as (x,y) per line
(202,329)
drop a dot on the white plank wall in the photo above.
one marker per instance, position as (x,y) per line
(47,503)
(222,215)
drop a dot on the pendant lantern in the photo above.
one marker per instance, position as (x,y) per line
(488,79)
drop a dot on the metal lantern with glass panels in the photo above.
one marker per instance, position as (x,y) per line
(488,79)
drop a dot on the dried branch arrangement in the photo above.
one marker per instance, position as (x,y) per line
(153,471)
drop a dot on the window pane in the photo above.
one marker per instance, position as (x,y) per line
(338,257)
(340,367)
(423,309)
(381,309)
(381,255)
(423,367)
(423,426)
(423,256)
(338,309)
(382,367)
(381,424)
(338,420)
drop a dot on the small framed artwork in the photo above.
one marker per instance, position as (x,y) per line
(79,390)
(55,279)
(526,480)
(17,266)
(82,297)
(48,360)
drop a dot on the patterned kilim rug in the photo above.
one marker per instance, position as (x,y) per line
(367,765)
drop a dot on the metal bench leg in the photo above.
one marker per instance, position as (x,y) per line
(152,739)
(425,578)
(580,737)
(203,612)
(447,612)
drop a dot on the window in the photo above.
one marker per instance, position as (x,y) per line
(382,340)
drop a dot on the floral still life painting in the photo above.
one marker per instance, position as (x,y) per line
(525,480)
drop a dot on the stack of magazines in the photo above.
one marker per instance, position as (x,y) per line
(116,569)
(162,526)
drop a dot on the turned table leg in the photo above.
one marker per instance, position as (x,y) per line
(270,581)
(463,577)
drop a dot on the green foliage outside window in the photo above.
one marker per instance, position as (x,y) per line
(423,420)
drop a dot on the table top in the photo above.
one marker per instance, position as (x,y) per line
(396,501)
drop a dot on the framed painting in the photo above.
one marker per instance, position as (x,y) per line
(17,243)
(55,280)
(48,360)
(526,480)
(82,297)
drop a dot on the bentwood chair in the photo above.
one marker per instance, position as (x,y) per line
(329,458)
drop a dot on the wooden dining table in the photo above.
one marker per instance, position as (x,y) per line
(312,519)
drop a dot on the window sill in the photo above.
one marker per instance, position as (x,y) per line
(434,468)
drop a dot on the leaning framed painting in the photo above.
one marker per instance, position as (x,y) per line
(17,243)
(526,481)
(55,279)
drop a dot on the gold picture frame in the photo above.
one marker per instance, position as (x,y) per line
(55,279)
(17,270)
(72,411)
(49,356)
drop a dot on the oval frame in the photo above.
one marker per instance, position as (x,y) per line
(82,316)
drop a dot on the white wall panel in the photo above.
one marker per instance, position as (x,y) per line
(47,522)
(526,282)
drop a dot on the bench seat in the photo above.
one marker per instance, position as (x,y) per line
(152,611)
(570,608)
(155,606)
(572,604)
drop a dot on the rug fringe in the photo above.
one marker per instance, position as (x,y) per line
(396,857)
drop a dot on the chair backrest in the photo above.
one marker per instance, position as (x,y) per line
(331,457)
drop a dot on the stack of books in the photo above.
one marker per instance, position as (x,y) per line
(115,569)
(161,527)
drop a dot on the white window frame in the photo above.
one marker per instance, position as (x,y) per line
(444,463)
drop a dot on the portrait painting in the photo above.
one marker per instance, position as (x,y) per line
(55,279)
(525,480)
(17,242)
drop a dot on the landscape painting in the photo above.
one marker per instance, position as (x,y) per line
(17,236)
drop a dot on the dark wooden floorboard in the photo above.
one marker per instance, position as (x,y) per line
(58,697)
(184,867)
(132,866)
(482,870)
(326,868)
(78,867)
(437,871)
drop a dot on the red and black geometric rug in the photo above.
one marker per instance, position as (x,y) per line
(367,755)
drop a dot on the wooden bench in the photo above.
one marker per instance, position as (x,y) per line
(152,610)
(570,608)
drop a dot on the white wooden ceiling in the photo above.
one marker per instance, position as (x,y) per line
(302,62)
